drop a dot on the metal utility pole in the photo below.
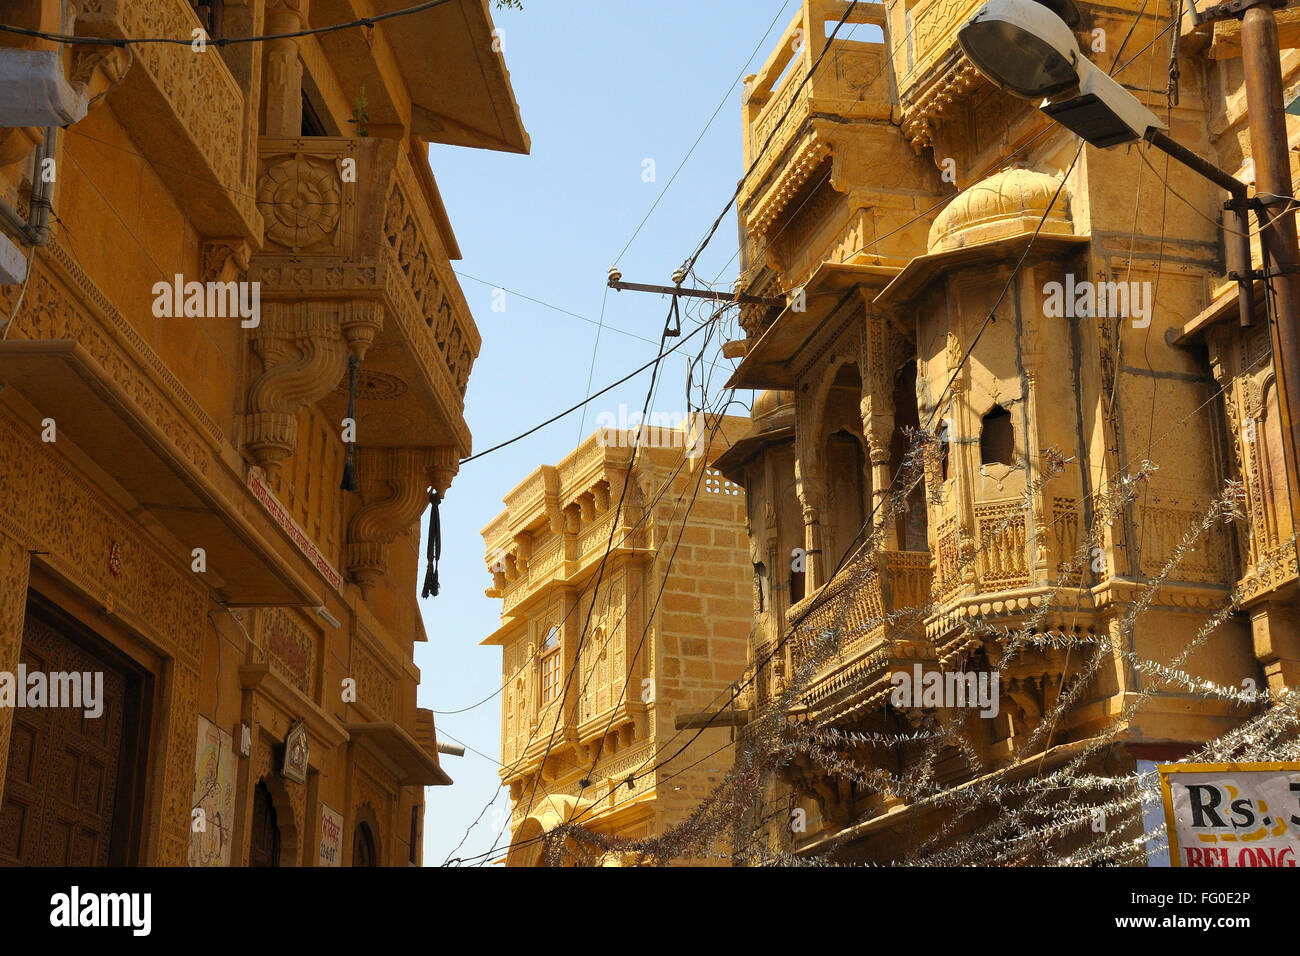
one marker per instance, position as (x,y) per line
(1261,62)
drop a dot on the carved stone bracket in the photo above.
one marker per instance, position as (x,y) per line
(304,349)
(225,260)
(394,490)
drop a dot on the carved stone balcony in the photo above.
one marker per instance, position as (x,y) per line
(356,262)
(831,171)
(931,29)
(185,106)
(867,620)
(851,82)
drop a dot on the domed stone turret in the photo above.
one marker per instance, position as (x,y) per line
(1009,203)
(770,403)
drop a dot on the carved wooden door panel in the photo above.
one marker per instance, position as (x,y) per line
(62,777)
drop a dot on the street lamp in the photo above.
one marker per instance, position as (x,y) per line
(1029,51)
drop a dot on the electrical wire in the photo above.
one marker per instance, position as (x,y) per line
(568,411)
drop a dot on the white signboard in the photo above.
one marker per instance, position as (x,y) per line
(331,837)
(1230,815)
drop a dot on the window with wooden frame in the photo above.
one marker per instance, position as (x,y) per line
(550,666)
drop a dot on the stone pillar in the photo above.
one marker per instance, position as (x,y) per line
(1038,559)
(15,565)
(245,18)
(961,468)
(283,68)
(812,499)
(878,427)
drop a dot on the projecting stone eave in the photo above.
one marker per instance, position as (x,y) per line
(767,361)
(922,271)
(731,463)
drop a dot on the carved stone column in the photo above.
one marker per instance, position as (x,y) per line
(283,68)
(960,464)
(812,499)
(878,427)
(304,348)
(1041,509)
(15,564)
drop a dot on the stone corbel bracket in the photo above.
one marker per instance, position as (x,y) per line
(304,349)
(225,260)
(395,486)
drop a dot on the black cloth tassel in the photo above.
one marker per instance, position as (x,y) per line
(349,482)
(432,550)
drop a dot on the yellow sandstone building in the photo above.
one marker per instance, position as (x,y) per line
(625,585)
(231,288)
(932,223)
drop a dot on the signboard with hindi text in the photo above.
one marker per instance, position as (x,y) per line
(1232,814)
(331,837)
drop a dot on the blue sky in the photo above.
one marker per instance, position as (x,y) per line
(602,88)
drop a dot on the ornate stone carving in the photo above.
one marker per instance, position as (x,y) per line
(225,260)
(301,200)
(395,490)
(304,348)
(97,69)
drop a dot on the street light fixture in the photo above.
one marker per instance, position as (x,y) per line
(1029,51)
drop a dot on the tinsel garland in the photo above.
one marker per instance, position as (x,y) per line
(1027,822)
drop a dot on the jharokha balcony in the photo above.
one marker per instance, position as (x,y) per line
(356,262)
(868,621)
(354,270)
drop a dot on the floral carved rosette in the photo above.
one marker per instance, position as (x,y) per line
(301,201)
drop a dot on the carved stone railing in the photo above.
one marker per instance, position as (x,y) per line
(183,105)
(1002,541)
(1166,520)
(931,34)
(867,600)
(353,256)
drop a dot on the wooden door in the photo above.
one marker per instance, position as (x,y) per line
(62,778)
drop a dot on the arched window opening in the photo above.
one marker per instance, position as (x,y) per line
(997,438)
(363,846)
(912,522)
(848,494)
